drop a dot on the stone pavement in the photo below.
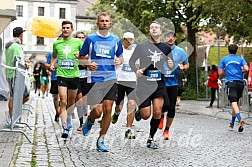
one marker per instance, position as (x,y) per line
(198,139)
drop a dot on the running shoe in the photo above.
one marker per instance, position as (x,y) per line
(240,129)
(101,146)
(87,127)
(137,115)
(166,135)
(209,106)
(231,127)
(114,118)
(152,144)
(130,134)
(56,118)
(65,133)
(161,123)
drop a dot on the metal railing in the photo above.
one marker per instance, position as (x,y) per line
(19,88)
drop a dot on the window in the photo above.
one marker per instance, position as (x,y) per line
(41,11)
(19,9)
(40,41)
(62,13)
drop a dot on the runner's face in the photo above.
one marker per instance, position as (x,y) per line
(127,42)
(155,30)
(104,23)
(67,30)
(170,39)
(81,36)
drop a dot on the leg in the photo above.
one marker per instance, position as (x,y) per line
(131,112)
(63,102)
(157,109)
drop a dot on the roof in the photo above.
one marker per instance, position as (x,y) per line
(82,7)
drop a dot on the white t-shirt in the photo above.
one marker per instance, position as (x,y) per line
(123,71)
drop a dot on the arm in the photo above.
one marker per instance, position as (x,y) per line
(221,72)
(53,61)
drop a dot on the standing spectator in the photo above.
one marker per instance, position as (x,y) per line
(14,54)
(213,83)
(182,79)
(233,66)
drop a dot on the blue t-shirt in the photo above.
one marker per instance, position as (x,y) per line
(232,64)
(102,50)
(178,56)
(48,61)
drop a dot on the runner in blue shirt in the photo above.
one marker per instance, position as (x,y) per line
(171,82)
(54,86)
(104,52)
(233,66)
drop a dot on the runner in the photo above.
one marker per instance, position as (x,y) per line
(233,66)
(104,52)
(152,55)
(54,86)
(171,81)
(126,84)
(36,74)
(44,79)
(66,50)
(81,99)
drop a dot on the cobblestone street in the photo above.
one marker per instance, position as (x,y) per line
(197,140)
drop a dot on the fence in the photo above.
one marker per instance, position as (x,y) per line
(244,102)
(19,88)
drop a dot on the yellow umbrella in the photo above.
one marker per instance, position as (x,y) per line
(42,26)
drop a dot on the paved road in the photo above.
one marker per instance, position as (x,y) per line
(197,140)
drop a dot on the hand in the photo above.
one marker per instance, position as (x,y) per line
(76,54)
(117,61)
(52,68)
(170,62)
(93,66)
(181,66)
(139,72)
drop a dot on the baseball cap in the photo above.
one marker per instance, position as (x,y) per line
(128,35)
(17,31)
(170,32)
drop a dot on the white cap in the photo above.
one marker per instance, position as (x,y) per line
(128,35)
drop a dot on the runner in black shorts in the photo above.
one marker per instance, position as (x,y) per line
(54,87)
(152,55)
(126,85)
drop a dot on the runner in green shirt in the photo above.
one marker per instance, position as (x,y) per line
(66,50)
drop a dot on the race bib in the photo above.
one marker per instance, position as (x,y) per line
(168,73)
(126,68)
(67,64)
(83,73)
(153,75)
(103,50)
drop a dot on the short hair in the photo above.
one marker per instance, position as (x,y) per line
(232,49)
(102,14)
(80,32)
(214,67)
(67,22)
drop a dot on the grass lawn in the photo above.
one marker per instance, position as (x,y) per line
(213,55)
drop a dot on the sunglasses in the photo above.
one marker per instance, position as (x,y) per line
(81,37)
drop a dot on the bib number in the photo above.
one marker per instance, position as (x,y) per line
(67,64)
(83,73)
(126,68)
(168,73)
(153,75)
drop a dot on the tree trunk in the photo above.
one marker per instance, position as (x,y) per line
(192,40)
